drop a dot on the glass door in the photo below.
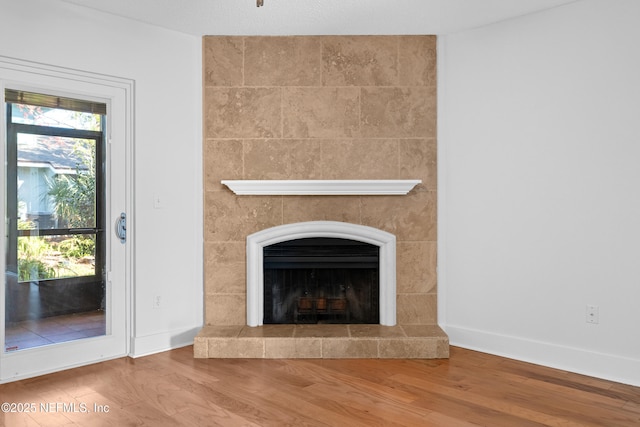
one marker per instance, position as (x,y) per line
(55,258)
(65,270)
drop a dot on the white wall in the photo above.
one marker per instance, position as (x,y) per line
(539,173)
(166,68)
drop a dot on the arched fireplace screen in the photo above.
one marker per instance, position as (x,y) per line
(321,280)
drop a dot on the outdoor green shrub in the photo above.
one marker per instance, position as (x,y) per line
(30,267)
(77,247)
(33,269)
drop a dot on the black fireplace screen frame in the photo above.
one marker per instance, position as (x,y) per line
(321,280)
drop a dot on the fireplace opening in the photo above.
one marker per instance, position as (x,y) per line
(321,280)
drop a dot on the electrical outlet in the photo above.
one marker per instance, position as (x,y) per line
(157,301)
(593,315)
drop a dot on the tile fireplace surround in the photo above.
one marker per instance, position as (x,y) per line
(320,108)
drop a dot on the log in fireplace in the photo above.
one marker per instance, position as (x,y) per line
(321,280)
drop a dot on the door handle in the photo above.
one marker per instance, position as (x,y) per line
(121,227)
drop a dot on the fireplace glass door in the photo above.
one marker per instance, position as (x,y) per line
(321,280)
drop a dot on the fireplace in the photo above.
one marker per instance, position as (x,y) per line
(314,121)
(321,272)
(321,280)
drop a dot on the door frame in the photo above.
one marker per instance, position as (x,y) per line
(35,76)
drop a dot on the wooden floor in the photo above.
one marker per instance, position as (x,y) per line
(173,388)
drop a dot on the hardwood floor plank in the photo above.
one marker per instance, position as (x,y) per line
(544,396)
(435,419)
(311,409)
(250,400)
(219,413)
(629,392)
(366,406)
(17,420)
(632,407)
(375,388)
(469,389)
(500,402)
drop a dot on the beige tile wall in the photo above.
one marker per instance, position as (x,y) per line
(320,107)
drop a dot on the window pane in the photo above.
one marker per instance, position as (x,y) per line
(53,276)
(54,117)
(56,182)
(55,257)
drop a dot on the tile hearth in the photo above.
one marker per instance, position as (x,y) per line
(322,341)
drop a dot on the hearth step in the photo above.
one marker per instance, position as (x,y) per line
(322,341)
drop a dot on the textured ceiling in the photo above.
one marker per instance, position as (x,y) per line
(326,17)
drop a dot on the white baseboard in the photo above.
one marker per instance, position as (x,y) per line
(600,365)
(156,343)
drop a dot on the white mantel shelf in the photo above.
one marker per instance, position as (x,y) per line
(321,187)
